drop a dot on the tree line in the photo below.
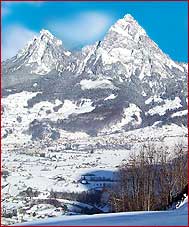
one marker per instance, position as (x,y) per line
(151,179)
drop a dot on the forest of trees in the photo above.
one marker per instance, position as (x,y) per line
(150,180)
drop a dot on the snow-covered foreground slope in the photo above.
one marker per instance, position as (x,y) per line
(177,217)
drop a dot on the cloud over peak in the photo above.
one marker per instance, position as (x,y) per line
(15,37)
(82,28)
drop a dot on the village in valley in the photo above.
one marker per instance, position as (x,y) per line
(41,180)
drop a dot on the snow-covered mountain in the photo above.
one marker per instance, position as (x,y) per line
(40,56)
(120,83)
(128,44)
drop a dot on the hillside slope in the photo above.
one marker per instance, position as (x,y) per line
(178,217)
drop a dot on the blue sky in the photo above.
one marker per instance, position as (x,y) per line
(81,23)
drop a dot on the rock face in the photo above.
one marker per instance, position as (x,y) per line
(118,84)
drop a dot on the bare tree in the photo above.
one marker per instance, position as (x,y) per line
(150,179)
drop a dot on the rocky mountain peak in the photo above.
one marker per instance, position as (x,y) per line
(129,17)
(42,52)
(46,36)
(46,33)
(40,43)
(127,27)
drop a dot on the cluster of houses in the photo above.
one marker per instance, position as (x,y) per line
(95,181)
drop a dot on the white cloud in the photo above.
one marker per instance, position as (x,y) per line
(14,38)
(82,28)
(79,30)
(8,7)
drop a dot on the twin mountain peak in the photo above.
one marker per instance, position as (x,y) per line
(126,24)
(127,27)
(125,43)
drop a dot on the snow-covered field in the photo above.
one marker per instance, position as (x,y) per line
(90,84)
(168,105)
(68,165)
(178,217)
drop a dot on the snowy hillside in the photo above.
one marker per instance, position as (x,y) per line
(177,217)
